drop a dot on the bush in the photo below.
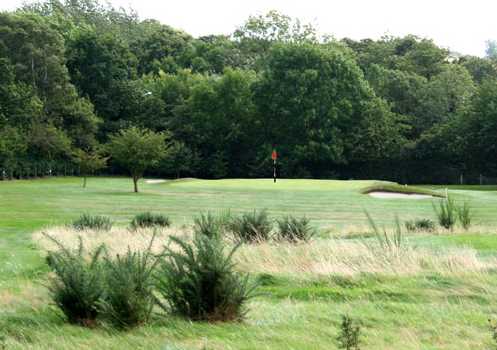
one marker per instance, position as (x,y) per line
(148,219)
(252,227)
(425,225)
(129,298)
(92,222)
(294,229)
(446,213)
(78,284)
(199,281)
(349,335)
(465,215)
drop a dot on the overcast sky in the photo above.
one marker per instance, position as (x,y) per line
(461,25)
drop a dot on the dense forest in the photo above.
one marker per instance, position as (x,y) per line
(74,72)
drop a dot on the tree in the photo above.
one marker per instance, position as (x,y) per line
(89,162)
(137,150)
(308,99)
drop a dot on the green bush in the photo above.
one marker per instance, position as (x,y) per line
(129,297)
(465,215)
(252,227)
(424,225)
(349,335)
(199,281)
(92,222)
(78,284)
(294,229)
(148,219)
(446,212)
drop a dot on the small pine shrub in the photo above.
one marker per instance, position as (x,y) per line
(446,213)
(349,335)
(129,298)
(148,219)
(78,284)
(465,215)
(92,222)
(252,227)
(294,229)
(199,281)
(423,225)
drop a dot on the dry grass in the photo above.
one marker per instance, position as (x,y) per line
(315,258)
(355,231)
(117,240)
(347,257)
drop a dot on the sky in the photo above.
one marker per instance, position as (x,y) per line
(461,25)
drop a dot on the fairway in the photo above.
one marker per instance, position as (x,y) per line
(292,310)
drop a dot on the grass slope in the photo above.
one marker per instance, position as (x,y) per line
(428,311)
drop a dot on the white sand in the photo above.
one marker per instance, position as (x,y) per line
(396,195)
(155,181)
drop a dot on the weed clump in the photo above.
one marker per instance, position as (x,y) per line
(465,215)
(252,227)
(211,225)
(92,222)
(446,213)
(420,225)
(294,229)
(148,220)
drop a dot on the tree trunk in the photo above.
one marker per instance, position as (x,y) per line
(135,182)
(84,181)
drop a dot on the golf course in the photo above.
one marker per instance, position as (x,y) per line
(434,290)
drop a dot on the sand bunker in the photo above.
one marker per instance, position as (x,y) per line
(396,195)
(155,181)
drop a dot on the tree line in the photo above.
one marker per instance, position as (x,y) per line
(75,74)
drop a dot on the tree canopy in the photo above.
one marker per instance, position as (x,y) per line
(79,73)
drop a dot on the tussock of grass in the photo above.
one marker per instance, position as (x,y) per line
(396,188)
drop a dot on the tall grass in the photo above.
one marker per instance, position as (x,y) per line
(446,212)
(465,215)
(385,239)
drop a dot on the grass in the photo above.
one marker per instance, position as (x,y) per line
(403,303)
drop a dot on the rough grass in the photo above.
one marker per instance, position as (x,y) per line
(409,305)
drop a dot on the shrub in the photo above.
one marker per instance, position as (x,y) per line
(446,213)
(92,222)
(199,281)
(129,298)
(78,284)
(148,219)
(294,229)
(425,225)
(349,335)
(465,215)
(252,227)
